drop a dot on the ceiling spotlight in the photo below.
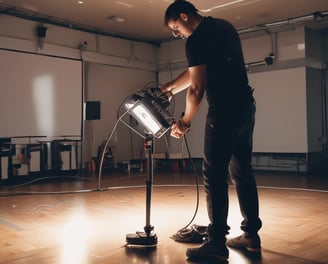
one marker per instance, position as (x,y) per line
(116,19)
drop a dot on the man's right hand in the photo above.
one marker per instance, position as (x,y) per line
(178,128)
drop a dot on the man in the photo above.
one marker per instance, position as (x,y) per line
(216,70)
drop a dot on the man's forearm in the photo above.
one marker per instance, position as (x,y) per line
(193,103)
(195,92)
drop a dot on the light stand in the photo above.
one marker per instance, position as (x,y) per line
(147,238)
(150,109)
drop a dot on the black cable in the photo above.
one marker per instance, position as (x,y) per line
(21,193)
(109,137)
(185,233)
(193,167)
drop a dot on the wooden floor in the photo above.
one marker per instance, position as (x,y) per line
(68,220)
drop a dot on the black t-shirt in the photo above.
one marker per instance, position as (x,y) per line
(216,43)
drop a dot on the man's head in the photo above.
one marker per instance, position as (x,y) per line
(182,18)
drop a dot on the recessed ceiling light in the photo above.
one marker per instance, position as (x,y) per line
(80,2)
(116,19)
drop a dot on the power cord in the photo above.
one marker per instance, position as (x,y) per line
(194,233)
(109,137)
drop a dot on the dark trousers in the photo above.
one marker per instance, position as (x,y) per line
(227,151)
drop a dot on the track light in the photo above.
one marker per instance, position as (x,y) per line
(41,31)
(269,60)
(83,46)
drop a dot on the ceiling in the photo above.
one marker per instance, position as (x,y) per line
(143,19)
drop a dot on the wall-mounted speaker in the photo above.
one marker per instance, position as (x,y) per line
(92,110)
(41,31)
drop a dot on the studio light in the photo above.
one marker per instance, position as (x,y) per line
(148,113)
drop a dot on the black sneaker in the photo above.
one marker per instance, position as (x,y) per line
(209,249)
(251,243)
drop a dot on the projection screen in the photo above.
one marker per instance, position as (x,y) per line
(40,95)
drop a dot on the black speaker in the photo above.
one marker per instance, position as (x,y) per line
(92,110)
(41,31)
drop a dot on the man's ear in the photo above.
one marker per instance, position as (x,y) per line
(184,16)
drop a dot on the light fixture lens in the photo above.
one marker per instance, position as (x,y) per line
(144,116)
(148,114)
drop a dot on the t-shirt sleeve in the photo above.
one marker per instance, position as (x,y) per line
(195,52)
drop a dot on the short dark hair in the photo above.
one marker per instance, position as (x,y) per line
(175,9)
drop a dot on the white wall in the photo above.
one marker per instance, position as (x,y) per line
(281,116)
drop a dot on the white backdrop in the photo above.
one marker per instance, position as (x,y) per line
(281,118)
(40,95)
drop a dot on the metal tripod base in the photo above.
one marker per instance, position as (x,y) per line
(141,239)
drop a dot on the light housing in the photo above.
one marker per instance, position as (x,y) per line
(150,115)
